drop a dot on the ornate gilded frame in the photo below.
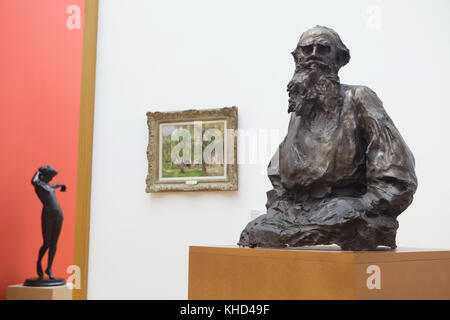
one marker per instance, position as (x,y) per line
(155,119)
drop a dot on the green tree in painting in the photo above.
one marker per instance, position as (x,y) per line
(191,164)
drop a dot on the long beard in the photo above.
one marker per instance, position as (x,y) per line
(313,89)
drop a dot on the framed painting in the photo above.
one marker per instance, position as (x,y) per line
(192,150)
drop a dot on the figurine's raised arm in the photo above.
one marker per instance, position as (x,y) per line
(35,178)
(62,186)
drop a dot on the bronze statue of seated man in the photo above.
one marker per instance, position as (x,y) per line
(343,173)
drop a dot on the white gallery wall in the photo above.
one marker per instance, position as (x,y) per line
(175,55)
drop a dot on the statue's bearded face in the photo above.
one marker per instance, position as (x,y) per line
(315,85)
(317,50)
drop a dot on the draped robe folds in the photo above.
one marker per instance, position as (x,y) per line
(340,176)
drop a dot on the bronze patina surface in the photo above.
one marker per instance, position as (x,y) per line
(343,173)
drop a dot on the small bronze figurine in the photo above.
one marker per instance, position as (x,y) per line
(343,173)
(51,221)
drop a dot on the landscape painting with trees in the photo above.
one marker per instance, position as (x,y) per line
(192,149)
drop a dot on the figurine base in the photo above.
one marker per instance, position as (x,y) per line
(21,292)
(321,272)
(44,282)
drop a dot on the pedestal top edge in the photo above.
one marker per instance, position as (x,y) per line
(329,253)
(330,248)
(20,285)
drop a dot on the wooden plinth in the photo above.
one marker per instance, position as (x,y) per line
(21,292)
(243,273)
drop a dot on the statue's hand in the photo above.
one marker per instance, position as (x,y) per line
(63,188)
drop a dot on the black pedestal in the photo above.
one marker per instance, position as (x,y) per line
(44,282)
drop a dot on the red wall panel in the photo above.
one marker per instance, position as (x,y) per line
(40,73)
